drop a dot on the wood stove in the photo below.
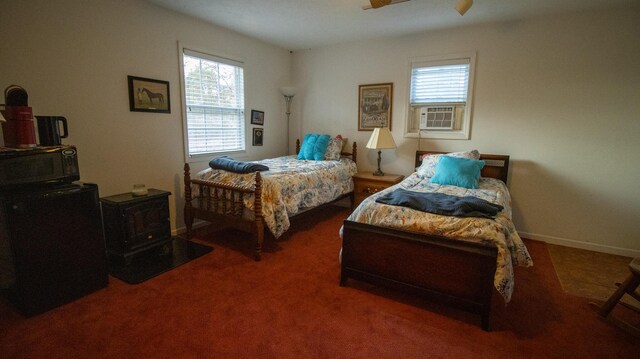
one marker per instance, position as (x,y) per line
(134,225)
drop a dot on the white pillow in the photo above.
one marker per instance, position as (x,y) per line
(429,162)
(333,149)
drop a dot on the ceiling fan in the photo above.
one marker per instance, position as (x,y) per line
(380,3)
(461,5)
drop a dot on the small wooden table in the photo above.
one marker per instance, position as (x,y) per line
(366,184)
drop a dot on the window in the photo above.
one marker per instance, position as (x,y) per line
(214,101)
(440,97)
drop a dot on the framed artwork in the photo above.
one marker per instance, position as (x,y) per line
(148,95)
(374,106)
(257,117)
(258,136)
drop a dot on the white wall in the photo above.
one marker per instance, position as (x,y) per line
(561,95)
(73,58)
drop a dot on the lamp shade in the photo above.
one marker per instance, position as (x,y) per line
(381,138)
(463,5)
(288,90)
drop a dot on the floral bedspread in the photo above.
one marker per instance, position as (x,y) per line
(289,186)
(499,232)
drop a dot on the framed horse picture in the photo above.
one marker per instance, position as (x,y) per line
(149,95)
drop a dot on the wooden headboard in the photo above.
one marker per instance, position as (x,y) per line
(496,166)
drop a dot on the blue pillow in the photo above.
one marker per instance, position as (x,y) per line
(322,142)
(308,143)
(461,172)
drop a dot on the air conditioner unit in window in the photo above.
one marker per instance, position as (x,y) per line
(436,118)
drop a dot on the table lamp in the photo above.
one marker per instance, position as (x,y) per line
(380,139)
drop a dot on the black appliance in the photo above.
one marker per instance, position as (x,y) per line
(49,130)
(56,245)
(134,225)
(52,248)
(38,166)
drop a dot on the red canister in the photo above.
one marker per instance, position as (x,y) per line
(18,129)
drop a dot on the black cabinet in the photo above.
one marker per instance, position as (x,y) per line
(136,224)
(54,250)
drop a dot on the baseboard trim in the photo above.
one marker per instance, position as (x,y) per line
(626,252)
(196,224)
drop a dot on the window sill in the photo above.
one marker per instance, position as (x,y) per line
(206,157)
(438,135)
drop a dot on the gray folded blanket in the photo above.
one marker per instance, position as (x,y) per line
(229,164)
(440,203)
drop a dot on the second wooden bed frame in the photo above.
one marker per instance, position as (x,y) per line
(221,204)
(454,272)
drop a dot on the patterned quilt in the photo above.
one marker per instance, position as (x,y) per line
(290,186)
(499,232)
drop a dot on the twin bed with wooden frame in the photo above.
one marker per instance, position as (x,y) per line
(453,271)
(241,205)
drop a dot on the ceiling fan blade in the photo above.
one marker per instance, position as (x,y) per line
(463,5)
(379,3)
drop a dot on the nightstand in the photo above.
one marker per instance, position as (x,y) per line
(366,184)
(136,224)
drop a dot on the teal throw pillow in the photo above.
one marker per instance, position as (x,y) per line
(308,144)
(461,172)
(320,147)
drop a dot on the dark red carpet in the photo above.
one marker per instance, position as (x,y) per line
(225,305)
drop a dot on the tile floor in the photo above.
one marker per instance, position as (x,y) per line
(590,274)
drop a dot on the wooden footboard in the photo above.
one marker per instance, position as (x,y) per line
(454,272)
(222,204)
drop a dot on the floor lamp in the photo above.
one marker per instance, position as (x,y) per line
(288,93)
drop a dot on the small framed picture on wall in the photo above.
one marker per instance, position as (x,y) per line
(375,103)
(257,117)
(258,136)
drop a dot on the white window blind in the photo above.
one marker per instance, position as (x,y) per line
(214,99)
(439,84)
(440,88)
